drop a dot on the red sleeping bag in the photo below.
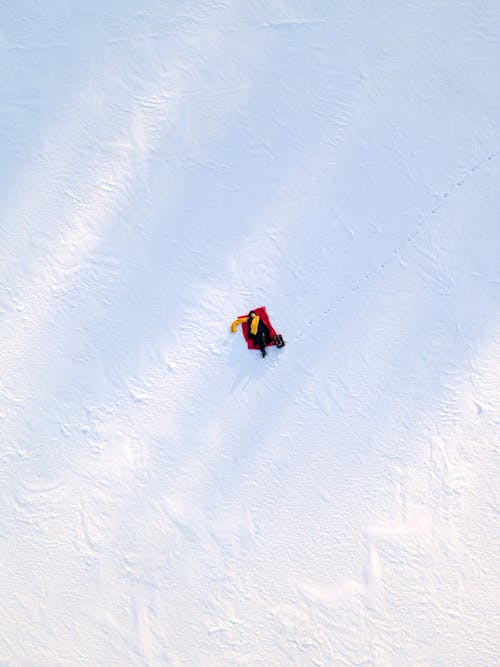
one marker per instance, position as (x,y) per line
(262,313)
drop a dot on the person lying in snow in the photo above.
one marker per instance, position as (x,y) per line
(258,330)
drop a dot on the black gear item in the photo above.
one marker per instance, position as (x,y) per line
(278,341)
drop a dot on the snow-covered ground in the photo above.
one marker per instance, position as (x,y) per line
(167,496)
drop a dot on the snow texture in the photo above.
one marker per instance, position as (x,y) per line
(168,497)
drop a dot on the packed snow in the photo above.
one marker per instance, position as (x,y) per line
(168,497)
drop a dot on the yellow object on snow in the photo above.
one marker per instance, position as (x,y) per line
(253,326)
(237,321)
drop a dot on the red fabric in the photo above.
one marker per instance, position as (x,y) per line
(262,313)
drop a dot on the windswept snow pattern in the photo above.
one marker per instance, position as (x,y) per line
(168,497)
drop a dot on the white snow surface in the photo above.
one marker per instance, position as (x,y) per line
(168,497)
